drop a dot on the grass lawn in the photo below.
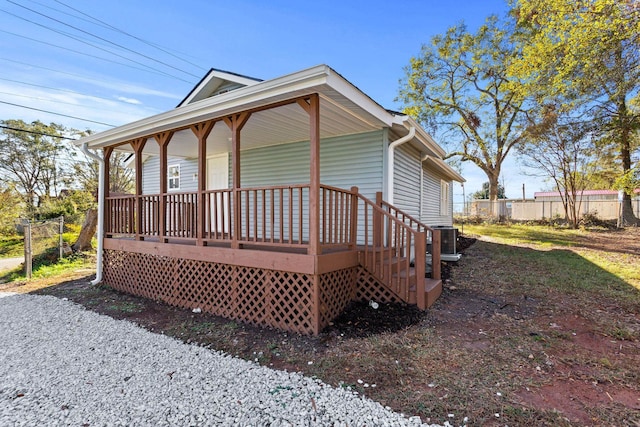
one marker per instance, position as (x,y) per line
(11,246)
(536,326)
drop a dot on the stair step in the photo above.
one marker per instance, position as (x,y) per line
(432,289)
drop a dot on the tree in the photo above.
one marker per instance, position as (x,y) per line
(458,85)
(121,178)
(484,193)
(29,159)
(561,148)
(588,51)
(11,206)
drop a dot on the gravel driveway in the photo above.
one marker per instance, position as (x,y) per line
(63,365)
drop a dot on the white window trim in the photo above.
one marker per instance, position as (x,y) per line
(169,177)
(445,192)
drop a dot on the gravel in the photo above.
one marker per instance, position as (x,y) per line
(63,365)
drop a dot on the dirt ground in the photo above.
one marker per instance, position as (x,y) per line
(484,351)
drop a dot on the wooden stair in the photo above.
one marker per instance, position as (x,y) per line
(432,288)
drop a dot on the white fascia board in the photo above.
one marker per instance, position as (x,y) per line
(234,101)
(445,169)
(355,95)
(215,74)
(425,139)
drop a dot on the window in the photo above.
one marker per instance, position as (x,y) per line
(174,177)
(444,197)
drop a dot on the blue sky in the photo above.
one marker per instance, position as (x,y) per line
(64,56)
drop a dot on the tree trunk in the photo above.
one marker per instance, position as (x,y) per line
(628,217)
(493,194)
(87,231)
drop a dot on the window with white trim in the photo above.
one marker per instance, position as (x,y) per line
(444,197)
(174,177)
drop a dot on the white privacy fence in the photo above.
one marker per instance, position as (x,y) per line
(532,210)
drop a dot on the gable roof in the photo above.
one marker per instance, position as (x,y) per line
(344,109)
(217,81)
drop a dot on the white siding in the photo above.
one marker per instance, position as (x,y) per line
(431,197)
(353,160)
(406,180)
(151,174)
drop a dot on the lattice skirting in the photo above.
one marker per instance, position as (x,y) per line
(369,288)
(280,299)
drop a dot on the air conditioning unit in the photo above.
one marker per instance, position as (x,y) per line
(448,238)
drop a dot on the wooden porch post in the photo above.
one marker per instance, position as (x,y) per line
(421,268)
(138,146)
(202,131)
(353,226)
(106,151)
(312,106)
(236,123)
(163,141)
(435,255)
(377,222)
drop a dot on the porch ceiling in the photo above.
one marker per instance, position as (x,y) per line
(280,125)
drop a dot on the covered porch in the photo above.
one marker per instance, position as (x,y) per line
(290,256)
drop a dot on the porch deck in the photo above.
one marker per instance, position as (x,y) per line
(247,256)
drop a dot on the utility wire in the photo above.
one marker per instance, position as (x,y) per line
(57,114)
(37,98)
(62,90)
(103,39)
(91,44)
(148,69)
(37,133)
(109,26)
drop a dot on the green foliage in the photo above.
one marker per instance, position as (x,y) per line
(458,85)
(31,159)
(11,208)
(586,52)
(121,179)
(47,268)
(484,193)
(628,182)
(11,245)
(72,205)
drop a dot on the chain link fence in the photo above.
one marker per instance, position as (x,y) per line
(43,242)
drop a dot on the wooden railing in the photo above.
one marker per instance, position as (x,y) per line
(391,249)
(274,216)
(218,215)
(391,241)
(338,217)
(120,215)
(433,236)
(148,223)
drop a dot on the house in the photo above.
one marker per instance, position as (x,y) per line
(275,202)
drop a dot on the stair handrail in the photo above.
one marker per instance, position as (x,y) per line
(395,211)
(435,233)
(415,238)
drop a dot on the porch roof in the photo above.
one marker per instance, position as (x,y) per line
(344,109)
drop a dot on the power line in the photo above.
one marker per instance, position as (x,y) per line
(105,40)
(62,90)
(37,133)
(91,44)
(149,70)
(109,26)
(57,114)
(37,98)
